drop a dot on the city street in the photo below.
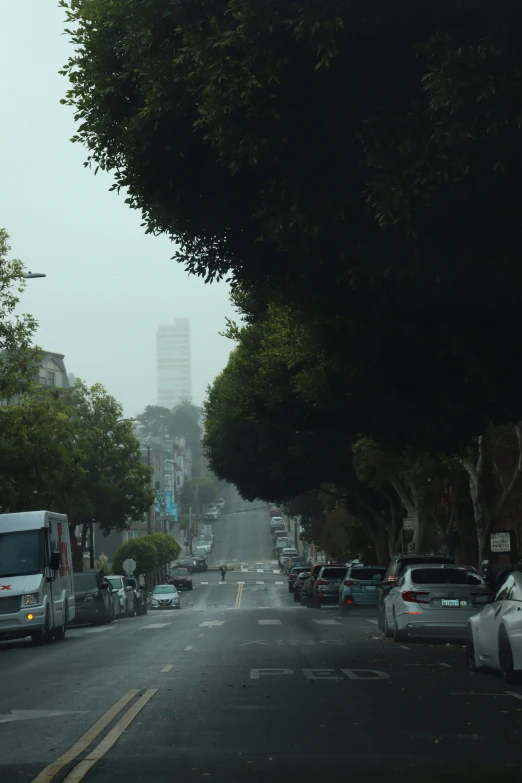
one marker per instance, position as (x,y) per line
(244,682)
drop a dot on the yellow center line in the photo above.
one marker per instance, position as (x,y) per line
(239,595)
(80,770)
(52,769)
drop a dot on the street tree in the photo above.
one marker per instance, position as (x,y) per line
(18,357)
(114,487)
(198,491)
(142,550)
(376,216)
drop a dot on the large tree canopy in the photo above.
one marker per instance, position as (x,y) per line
(357,161)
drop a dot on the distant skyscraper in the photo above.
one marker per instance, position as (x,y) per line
(173,362)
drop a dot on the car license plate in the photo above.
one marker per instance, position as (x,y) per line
(371,587)
(450,602)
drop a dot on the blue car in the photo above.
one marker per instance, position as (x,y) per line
(359,587)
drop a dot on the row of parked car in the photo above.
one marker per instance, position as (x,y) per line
(426,596)
(100,599)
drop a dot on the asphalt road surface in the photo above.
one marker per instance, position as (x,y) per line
(243,684)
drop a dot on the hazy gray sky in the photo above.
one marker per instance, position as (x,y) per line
(108,285)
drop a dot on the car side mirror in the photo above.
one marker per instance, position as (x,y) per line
(129,589)
(54,561)
(114,590)
(385,586)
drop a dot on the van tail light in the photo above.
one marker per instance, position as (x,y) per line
(409,595)
(349,582)
(322,582)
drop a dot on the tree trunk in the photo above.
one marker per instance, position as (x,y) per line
(77,551)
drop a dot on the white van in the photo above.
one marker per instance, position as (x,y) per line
(36,582)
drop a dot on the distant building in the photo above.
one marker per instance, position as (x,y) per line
(173,362)
(51,371)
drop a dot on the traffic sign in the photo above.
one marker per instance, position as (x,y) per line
(408,523)
(129,565)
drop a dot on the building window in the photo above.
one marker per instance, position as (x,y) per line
(132,534)
(50,378)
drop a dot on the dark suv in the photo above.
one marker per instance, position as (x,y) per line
(397,565)
(92,596)
(326,586)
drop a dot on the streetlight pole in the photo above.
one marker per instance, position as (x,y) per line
(32,275)
(149,512)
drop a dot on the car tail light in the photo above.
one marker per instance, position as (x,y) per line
(349,601)
(322,582)
(392,579)
(409,595)
(349,582)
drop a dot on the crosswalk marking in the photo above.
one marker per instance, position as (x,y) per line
(260,583)
(155,625)
(269,622)
(100,630)
(279,583)
(327,622)
(276,571)
(204,583)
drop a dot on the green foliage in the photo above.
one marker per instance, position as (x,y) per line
(143,550)
(167,547)
(182,420)
(17,356)
(113,487)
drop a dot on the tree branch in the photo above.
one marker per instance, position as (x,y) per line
(508,491)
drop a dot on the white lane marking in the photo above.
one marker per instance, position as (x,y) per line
(32,714)
(189,647)
(276,571)
(279,583)
(263,607)
(327,622)
(100,630)
(269,622)
(260,570)
(255,674)
(241,583)
(513,693)
(212,623)
(203,583)
(167,668)
(260,583)
(154,625)
(374,622)
(201,635)
(449,666)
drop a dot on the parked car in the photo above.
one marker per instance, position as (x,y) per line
(285,556)
(397,565)
(293,573)
(326,587)
(125,593)
(201,550)
(204,546)
(140,595)
(276,523)
(297,562)
(180,577)
(275,512)
(281,543)
(220,504)
(200,562)
(434,600)
(299,580)
(186,562)
(359,586)
(308,583)
(165,597)
(495,633)
(93,598)
(279,533)
(212,513)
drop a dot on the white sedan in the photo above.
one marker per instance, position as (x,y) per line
(433,600)
(495,634)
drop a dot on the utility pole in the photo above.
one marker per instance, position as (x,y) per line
(190,530)
(149,512)
(91,544)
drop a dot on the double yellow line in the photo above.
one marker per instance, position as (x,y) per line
(239,595)
(93,756)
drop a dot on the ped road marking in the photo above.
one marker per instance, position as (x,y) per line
(327,622)
(239,595)
(154,625)
(167,668)
(323,674)
(188,648)
(56,766)
(211,623)
(269,622)
(32,714)
(80,770)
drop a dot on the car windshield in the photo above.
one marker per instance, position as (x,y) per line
(373,574)
(180,572)
(116,582)
(403,564)
(21,553)
(163,589)
(445,576)
(85,581)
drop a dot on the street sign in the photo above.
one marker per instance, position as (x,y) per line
(129,565)
(408,524)
(501,542)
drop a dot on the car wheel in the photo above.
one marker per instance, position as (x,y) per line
(290,589)
(398,634)
(59,633)
(471,660)
(387,631)
(43,635)
(505,656)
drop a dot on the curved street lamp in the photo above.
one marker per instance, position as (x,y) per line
(31,275)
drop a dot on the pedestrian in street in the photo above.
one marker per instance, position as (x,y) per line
(223,569)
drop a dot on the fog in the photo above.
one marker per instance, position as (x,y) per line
(108,285)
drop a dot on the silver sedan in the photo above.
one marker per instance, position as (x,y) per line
(433,600)
(165,597)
